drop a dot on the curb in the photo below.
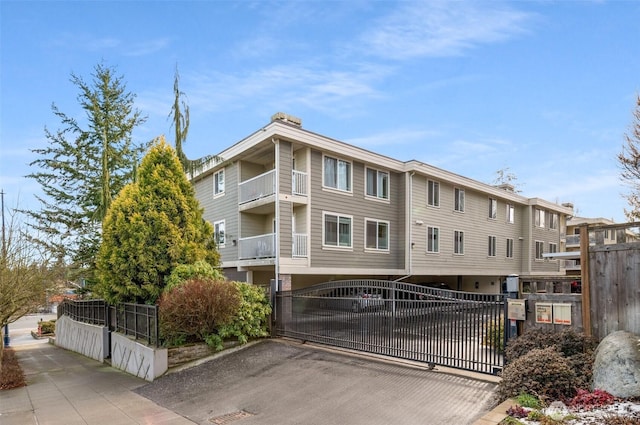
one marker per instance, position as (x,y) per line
(497,414)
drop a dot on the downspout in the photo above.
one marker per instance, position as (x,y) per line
(409,214)
(277,195)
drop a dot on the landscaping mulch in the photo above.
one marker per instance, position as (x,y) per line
(11,375)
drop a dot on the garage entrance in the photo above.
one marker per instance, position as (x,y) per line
(436,326)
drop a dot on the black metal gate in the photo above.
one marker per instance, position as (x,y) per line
(463,330)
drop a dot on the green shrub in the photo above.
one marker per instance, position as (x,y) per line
(196,309)
(48,327)
(197,270)
(494,335)
(543,372)
(252,317)
(528,400)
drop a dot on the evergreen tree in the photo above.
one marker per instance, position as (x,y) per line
(180,115)
(84,166)
(629,160)
(154,225)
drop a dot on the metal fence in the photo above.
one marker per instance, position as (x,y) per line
(436,326)
(137,320)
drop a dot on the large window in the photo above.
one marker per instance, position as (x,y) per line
(337,230)
(377,235)
(337,174)
(433,237)
(218,229)
(553,247)
(539,217)
(553,220)
(459,199)
(509,248)
(492,246)
(493,208)
(433,193)
(377,183)
(458,242)
(218,183)
(539,250)
(511,215)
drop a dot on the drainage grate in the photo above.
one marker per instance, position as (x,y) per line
(230,417)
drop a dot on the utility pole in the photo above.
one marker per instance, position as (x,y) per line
(7,340)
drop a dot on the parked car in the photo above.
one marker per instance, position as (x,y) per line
(365,301)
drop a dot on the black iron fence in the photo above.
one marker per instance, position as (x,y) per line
(436,326)
(137,320)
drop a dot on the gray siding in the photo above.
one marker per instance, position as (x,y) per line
(356,205)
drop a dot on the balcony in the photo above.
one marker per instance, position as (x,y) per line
(257,187)
(573,241)
(261,246)
(571,265)
(299,183)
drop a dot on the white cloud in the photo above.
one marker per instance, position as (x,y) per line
(442,28)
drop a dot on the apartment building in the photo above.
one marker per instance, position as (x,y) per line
(303,208)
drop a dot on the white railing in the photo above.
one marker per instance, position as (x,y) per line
(574,240)
(299,182)
(571,265)
(257,187)
(261,246)
(299,245)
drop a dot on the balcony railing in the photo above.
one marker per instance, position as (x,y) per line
(257,187)
(571,264)
(574,240)
(299,183)
(261,246)
(299,245)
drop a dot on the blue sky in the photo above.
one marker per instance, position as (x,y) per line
(544,88)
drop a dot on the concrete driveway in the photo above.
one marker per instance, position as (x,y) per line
(284,382)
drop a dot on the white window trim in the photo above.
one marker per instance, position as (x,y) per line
(435,183)
(337,247)
(224,236)
(493,212)
(455,240)
(376,197)
(224,183)
(337,189)
(539,218)
(437,240)
(511,207)
(374,220)
(553,221)
(460,191)
(535,251)
(492,253)
(511,242)
(553,251)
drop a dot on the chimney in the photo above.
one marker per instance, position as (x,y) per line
(281,116)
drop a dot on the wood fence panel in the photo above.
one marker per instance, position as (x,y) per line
(614,272)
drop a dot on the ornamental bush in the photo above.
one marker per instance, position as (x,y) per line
(196,309)
(252,317)
(545,373)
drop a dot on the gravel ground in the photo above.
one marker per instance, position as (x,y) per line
(627,409)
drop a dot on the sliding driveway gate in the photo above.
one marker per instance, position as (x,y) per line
(436,326)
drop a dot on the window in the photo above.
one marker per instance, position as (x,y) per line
(509,248)
(433,234)
(492,246)
(377,183)
(511,218)
(337,230)
(458,242)
(433,193)
(553,220)
(459,199)
(218,230)
(553,247)
(539,250)
(377,234)
(493,208)
(337,174)
(539,216)
(218,183)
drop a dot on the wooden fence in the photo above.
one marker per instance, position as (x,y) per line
(611,279)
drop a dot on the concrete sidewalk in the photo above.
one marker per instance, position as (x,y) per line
(67,388)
